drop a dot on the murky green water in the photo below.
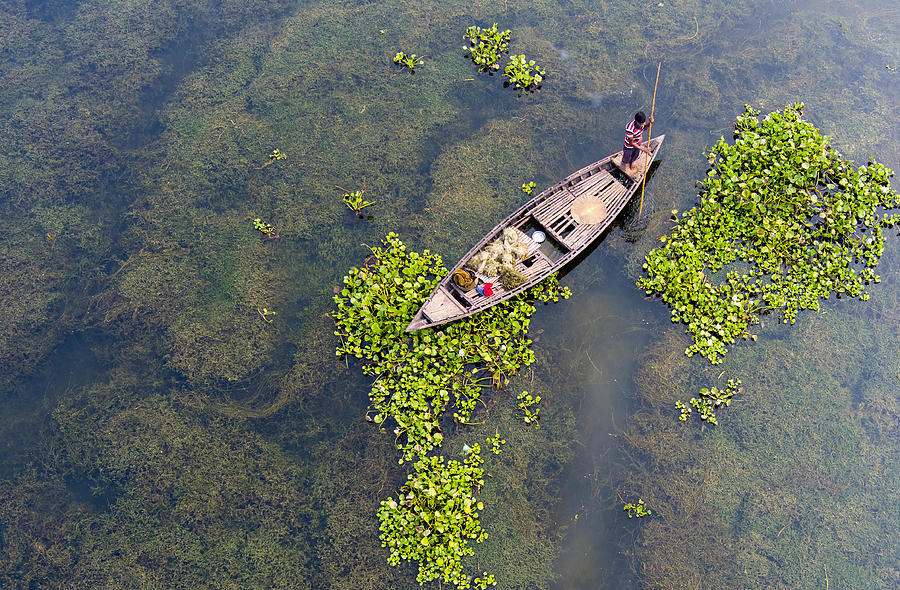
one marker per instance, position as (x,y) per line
(159,433)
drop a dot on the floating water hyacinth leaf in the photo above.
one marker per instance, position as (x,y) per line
(355,201)
(496,443)
(783,222)
(486,46)
(273,157)
(528,405)
(408,61)
(267,314)
(524,74)
(709,399)
(637,510)
(265,228)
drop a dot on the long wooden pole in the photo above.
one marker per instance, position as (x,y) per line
(649,135)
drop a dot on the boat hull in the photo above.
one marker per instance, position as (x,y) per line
(571,214)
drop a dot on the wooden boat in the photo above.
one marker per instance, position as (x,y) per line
(570,214)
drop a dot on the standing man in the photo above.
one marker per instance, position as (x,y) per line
(634,133)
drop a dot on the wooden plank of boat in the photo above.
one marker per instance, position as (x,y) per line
(549,212)
(595,183)
(443,306)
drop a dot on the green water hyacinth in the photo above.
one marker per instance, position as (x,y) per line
(783,222)
(408,61)
(528,405)
(708,399)
(435,516)
(496,443)
(636,510)
(420,375)
(486,46)
(355,202)
(265,228)
(524,74)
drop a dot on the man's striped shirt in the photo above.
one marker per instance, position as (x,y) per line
(634,134)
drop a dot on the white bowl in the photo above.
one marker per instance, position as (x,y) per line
(538,236)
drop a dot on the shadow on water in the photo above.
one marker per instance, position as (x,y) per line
(52,11)
(177,60)
(27,407)
(599,332)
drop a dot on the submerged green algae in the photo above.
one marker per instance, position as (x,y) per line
(151,161)
(797,484)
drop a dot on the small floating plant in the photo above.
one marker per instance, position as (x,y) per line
(355,201)
(708,400)
(408,61)
(524,74)
(496,443)
(637,510)
(273,157)
(266,314)
(528,405)
(486,46)
(266,228)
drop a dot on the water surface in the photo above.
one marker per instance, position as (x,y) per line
(159,433)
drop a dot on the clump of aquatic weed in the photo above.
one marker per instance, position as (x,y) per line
(411,61)
(524,74)
(784,202)
(355,201)
(486,46)
(419,377)
(708,400)
(434,516)
(421,374)
(638,510)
